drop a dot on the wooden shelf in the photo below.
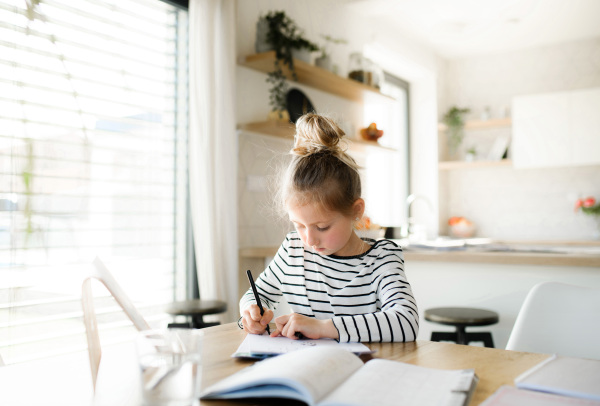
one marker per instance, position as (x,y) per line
(313,76)
(482,124)
(287,130)
(449,165)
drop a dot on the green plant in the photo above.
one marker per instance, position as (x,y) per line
(454,120)
(329,39)
(284,36)
(27,177)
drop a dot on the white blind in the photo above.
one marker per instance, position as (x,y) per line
(93,139)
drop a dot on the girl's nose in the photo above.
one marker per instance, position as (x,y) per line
(311,240)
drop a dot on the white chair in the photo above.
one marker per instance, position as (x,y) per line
(557,318)
(101,273)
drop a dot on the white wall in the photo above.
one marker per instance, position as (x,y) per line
(532,203)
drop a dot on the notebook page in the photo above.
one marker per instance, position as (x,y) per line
(390,383)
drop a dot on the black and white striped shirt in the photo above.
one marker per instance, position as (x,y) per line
(367,296)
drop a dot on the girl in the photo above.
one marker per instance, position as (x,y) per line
(338,285)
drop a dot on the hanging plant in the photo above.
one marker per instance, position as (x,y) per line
(284,37)
(454,120)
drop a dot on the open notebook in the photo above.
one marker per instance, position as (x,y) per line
(328,376)
(264,346)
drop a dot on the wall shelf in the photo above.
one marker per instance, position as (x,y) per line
(286,130)
(450,165)
(313,76)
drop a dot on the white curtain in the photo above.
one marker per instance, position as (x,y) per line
(213,149)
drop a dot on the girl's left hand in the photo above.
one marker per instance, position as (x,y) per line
(291,324)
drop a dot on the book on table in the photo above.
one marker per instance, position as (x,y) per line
(567,376)
(264,346)
(328,376)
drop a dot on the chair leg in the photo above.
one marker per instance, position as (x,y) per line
(485,337)
(443,336)
(198,322)
(463,338)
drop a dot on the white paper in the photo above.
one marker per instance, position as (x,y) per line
(567,376)
(255,344)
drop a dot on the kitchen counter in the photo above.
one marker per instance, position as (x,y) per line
(555,253)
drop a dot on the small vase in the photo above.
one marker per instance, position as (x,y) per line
(324,62)
(261,44)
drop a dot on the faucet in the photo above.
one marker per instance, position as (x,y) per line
(416,232)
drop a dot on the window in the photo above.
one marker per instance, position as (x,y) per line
(93,141)
(386,183)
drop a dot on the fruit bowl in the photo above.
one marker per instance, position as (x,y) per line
(460,227)
(371,133)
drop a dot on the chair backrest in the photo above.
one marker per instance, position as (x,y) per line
(101,273)
(558,318)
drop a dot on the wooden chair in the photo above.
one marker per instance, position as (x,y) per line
(101,273)
(557,318)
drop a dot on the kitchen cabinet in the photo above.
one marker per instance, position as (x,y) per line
(556,129)
(473,127)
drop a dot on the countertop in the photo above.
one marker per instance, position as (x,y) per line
(547,253)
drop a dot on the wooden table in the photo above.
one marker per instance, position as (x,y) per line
(495,367)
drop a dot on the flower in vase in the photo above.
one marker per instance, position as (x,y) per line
(588,206)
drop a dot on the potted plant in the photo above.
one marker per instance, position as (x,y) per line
(285,38)
(324,60)
(454,120)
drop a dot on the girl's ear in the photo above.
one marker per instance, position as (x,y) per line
(358,208)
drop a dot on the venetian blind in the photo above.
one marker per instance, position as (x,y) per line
(93,139)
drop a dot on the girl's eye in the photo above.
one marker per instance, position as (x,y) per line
(322,228)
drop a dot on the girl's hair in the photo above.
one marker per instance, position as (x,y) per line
(320,170)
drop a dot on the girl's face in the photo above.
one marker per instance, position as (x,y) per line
(328,232)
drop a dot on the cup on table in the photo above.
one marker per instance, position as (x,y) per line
(170,365)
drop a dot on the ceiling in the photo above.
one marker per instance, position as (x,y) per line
(461,28)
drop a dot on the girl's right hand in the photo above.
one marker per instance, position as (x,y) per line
(253,322)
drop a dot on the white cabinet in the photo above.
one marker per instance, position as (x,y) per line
(556,129)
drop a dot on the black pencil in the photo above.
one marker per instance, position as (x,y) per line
(258,302)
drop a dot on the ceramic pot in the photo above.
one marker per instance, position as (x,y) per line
(261,44)
(323,62)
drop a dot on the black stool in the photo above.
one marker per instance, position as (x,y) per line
(196,309)
(462,317)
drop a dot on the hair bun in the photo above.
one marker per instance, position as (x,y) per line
(316,133)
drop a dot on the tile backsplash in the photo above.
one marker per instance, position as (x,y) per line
(260,160)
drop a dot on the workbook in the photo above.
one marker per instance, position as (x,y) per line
(511,396)
(566,376)
(330,376)
(264,346)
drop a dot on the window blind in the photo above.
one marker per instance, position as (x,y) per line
(93,141)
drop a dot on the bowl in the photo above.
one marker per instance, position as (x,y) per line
(462,230)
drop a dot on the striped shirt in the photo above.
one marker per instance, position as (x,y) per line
(367,296)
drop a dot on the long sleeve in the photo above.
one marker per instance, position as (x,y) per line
(398,319)
(367,296)
(268,283)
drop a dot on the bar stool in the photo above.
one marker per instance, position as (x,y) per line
(461,318)
(195,310)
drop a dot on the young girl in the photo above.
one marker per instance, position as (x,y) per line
(338,285)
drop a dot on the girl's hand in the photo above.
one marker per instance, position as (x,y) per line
(253,322)
(291,324)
